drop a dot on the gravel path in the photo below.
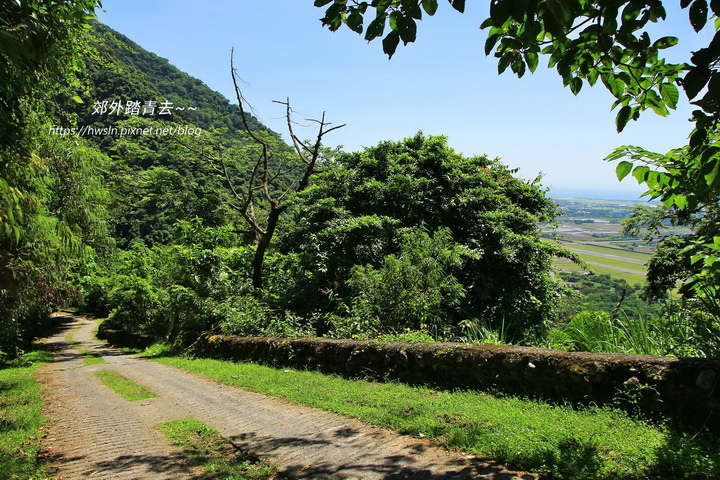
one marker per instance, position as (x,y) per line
(94,433)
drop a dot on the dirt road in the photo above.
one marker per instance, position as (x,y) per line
(95,433)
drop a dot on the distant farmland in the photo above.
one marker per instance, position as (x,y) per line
(592,229)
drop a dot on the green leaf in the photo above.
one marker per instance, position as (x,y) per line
(77,99)
(669,94)
(12,47)
(334,16)
(500,11)
(376,28)
(698,14)
(653,100)
(562,14)
(696,258)
(504,62)
(532,60)
(390,43)
(713,177)
(490,43)
(622,117)
(592,76)
(520,11)
(575,85)
(630,12)
(430,6)
(458,5)
(623,169)
(321,3)
(665,42)
(411,8)
(355,21)
(680,201)
(695,81)
(407,29)
(613,83)
(518,67)
(640,173)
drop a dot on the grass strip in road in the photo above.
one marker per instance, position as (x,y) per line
(215,454)
(128,389)
(559,441)
(91,358)
(21,418)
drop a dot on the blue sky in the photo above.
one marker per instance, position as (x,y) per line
(443,84)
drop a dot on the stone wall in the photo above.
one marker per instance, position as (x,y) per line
(116,336)
(684,388)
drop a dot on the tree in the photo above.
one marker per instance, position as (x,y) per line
(587,41)
(270,178)
(52,203)
(693,260)
(38,43)
(359,211)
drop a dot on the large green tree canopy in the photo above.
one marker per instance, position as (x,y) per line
(588,41)
(357,211)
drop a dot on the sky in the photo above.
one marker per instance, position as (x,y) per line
(443,84)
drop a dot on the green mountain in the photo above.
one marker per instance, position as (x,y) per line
(161,165)
(120,69)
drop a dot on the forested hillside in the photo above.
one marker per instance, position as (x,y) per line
(132,190)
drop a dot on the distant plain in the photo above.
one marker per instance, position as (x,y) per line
(593,229)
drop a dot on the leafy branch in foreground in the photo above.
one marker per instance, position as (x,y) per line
(688,185)
(584,40)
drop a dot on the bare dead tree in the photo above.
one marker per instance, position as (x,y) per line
(261,186)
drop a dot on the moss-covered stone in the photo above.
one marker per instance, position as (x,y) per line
(686,388)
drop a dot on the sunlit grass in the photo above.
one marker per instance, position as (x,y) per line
(128,389)
(590,443)
(213,453)
(91,358)
(21,418)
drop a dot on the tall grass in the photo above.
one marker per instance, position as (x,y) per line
(674,333)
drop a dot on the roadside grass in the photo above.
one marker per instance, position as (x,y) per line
(128,389)
(217,457)
(21,418)
(559,441)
